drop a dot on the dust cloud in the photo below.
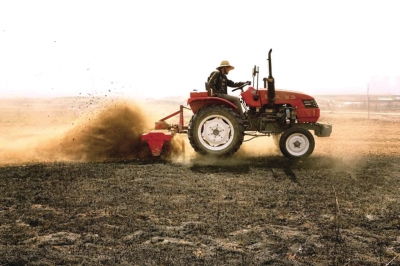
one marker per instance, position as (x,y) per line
(259,146)
(112,134)
(109,132)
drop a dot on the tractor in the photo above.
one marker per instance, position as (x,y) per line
(216,128)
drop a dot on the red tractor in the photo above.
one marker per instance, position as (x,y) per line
(217,129)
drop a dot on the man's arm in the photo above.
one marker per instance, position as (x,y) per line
(232,84)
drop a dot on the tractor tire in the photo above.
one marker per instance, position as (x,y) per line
(296,143)
(216,130)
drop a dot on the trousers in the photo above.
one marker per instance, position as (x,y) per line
(233,99)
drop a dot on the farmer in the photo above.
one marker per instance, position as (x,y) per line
(219,83)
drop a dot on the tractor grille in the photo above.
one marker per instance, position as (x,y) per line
(310,103)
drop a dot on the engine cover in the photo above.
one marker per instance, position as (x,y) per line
(306,107)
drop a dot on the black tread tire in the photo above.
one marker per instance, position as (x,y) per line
(304,138)
(216,111)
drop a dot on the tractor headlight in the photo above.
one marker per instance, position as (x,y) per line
(310,103)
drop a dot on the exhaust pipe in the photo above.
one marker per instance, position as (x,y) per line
(271,82)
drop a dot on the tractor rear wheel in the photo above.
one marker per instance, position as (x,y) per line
(297,143)
(216,130)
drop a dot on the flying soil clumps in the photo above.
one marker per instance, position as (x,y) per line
(114,134)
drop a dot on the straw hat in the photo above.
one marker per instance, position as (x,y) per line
(225,63)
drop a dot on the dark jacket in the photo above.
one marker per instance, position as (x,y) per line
(219,83)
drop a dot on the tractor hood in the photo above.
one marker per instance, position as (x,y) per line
(293,98)
(307,108)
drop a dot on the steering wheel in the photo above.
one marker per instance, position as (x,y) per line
(240,87)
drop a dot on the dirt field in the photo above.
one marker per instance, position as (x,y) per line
(75,190)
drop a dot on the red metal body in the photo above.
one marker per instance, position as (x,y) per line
(305,114)
(163,132)
(198,100)
(155,140)
(292,98)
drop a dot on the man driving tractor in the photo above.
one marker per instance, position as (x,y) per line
(219,83)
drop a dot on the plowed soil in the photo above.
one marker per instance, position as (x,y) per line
(75,189)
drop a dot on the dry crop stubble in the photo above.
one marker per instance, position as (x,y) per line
(356,137)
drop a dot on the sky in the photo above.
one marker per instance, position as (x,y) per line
(155,49)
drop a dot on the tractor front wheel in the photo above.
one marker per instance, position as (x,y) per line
(216,130)
(297,143)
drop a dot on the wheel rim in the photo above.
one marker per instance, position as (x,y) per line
(215,132)
(297,144)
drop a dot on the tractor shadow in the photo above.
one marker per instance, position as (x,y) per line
(245,165)
(220,168)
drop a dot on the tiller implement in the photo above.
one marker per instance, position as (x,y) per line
(163,132)
(216,128)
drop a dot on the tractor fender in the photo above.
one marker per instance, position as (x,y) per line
(199,102)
